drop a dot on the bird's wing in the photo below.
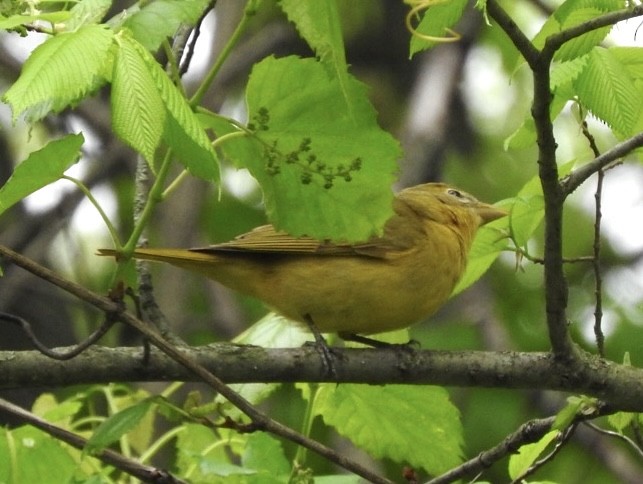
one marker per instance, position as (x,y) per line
(398,237)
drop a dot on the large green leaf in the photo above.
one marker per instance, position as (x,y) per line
(318,23)
(60,71)
(607,90)
(182,130)
(412,424)
(325,169)
(138,112)
(41,168)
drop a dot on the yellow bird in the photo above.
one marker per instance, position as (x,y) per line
(385,283)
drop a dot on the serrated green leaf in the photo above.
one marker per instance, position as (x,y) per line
(138,112)
(605,88)
(567,414)
(60,72)
(435,22)
(410,424)
(581,45)
(631,58)
(564,73)
(182,131)
(304,104)
(160,19)
(527,455)
(41,168)
(117,425)
(318,23)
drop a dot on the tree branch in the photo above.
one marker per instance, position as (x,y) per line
(618,385)
(133,468)
(555,41)
(556,291)
(576,178)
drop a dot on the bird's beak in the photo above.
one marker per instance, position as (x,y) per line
(489,213)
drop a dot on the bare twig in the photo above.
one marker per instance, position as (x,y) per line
(58,355)
(596,263)
(556,291)
(572,181)
(129,466)
(618,435)
(560,443)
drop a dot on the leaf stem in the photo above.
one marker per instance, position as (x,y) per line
(248,13)
(110,227)
(155,196)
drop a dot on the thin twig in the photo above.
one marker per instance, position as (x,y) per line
(57,355)
(528,432)
(618,435)
(260,420)
(129,466)
(561,441)
(596,263)
(188,50)
(576,178)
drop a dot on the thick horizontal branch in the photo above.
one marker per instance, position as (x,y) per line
(620,386)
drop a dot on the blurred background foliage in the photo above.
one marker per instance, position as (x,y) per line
(452,108)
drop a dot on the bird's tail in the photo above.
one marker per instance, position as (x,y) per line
(178,257)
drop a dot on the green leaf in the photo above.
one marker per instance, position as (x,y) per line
(298,113)
(606,89)
(157,110)
(620,420)
(34,456)
(529,207)
(435,22)
(160,19)
(87,12)
(631,58)
(410,424)
(525,136)
(60,72)
(318,23)
(182,132)
(41,168)
(138,112)
(117,425)
(564,73)
(490,241)
(265,455)
(8,23)
(527,455)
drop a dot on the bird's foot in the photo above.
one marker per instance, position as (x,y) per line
(325,351)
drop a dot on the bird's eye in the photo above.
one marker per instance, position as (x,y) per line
(455,193)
